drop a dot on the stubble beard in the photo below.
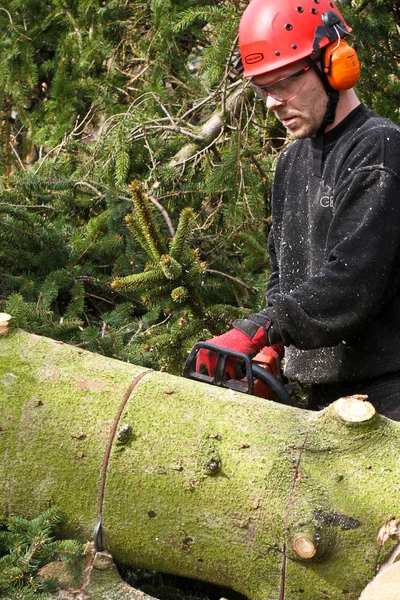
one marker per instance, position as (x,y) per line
(309,127)
(309,124)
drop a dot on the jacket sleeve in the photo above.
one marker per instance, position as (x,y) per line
(273,281)
(362,269)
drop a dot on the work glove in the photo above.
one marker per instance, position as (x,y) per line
(248,336)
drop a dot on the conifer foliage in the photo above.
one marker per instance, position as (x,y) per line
(96,94)
(25,547)
(173,278)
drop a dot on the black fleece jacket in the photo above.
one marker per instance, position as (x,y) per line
(334,291)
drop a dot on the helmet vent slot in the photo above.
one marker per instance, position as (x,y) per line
(314,11)
(300,9)
(288,27)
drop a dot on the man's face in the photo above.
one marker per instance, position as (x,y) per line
(298,102)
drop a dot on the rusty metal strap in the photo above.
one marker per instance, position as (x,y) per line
(98,531)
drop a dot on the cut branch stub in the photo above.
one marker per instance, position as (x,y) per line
(311,532)
(4,323)
(354,409)
(304,546)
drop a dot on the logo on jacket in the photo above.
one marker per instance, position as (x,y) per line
(326,201)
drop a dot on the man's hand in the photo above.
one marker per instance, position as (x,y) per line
(245,337)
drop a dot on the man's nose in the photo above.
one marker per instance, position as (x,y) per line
(273,103)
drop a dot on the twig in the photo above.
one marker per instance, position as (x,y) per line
(163,212)
(210,218)
(29,206)
(242,283)
(100,298)
(177,129)
(18,157)
(227,69)
(210,97)
(156,325)
(13,26)
(151,153)
(88,185)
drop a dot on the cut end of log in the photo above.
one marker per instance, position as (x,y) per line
(304,547)
(386,585)
(354,409)
(4,323)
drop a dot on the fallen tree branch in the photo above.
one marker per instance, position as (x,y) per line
(211,129)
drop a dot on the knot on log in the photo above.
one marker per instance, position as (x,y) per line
(209,460)
(124,435)
(212,466)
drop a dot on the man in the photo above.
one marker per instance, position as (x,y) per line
(333,297)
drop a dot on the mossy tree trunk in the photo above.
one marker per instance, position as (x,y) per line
(272,501)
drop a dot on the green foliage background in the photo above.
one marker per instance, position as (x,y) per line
(98,94)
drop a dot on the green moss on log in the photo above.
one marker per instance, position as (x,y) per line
(201,482)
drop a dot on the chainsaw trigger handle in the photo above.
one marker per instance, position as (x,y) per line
(245,384)
(226,374)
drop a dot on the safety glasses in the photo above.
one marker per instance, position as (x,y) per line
(283,89)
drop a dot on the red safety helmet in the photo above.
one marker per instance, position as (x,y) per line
(276,33)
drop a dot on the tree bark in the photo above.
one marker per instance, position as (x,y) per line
(273,501)
(211,128)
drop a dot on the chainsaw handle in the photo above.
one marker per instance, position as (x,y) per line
(245,385)
(277,388)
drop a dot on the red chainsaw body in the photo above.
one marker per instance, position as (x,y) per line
(270,362)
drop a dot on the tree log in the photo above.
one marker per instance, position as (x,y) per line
(385,586)
(273,501)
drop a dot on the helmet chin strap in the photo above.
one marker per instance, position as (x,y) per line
(333,99)
(331,28)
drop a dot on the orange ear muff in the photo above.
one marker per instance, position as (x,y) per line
(341,65)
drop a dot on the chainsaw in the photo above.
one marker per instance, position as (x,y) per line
(260,376)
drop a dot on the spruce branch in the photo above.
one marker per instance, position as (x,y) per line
(170,267)
(180,294)
(28,545)
(147,222)
(13,26)
(89,186)
(140,281)
(136,230)
(179,241)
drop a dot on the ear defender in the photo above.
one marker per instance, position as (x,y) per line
(341,65)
